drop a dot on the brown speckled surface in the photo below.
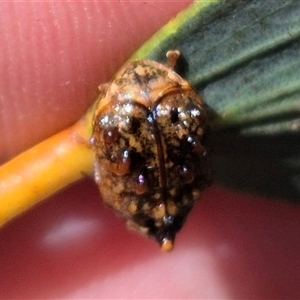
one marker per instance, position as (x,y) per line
(150,163)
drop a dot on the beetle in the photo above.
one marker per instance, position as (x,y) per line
(150,161)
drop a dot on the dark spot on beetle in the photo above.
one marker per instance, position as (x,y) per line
(110,135)
(174,115)
(137,160)
(187,174)
(135,125)
(196,145)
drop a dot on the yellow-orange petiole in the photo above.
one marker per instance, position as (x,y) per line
(45,169)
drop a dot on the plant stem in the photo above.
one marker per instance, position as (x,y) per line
(45,169)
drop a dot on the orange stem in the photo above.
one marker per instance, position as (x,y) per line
(45,169)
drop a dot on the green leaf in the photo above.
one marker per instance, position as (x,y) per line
(244,59)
